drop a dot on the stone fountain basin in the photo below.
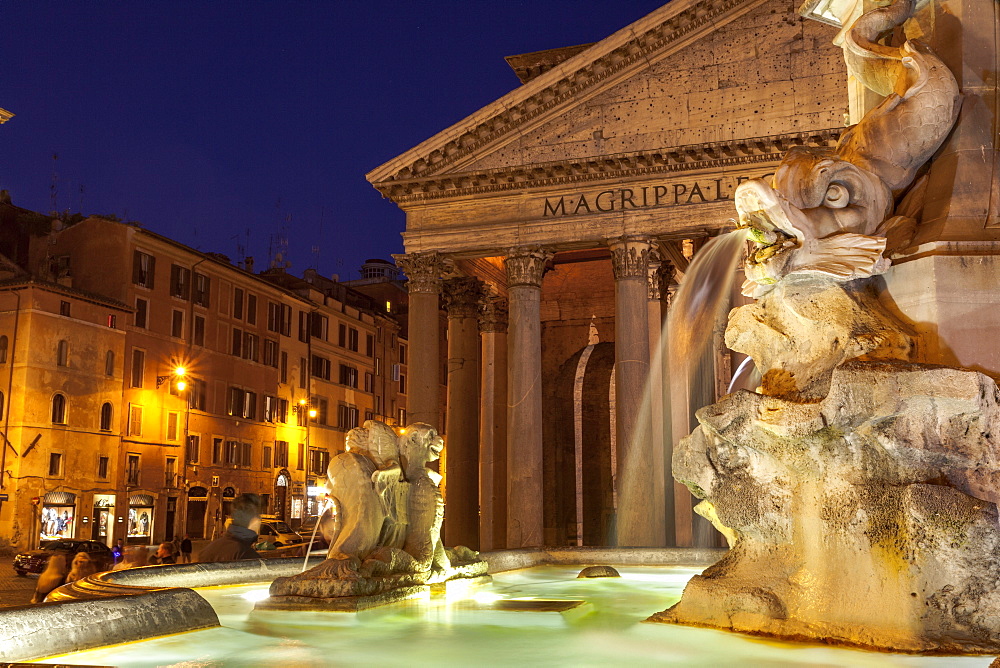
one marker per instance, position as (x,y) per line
(447,629)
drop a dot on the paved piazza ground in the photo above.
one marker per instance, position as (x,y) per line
(14,590)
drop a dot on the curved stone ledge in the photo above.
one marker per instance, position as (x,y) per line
(139,603)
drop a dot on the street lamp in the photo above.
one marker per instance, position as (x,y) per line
(178,374)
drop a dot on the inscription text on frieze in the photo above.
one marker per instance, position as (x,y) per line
(670,193)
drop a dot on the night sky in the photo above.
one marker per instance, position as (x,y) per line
(231,125)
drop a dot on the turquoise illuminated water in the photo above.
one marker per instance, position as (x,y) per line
(607,631)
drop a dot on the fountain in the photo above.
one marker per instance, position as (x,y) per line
(859,489)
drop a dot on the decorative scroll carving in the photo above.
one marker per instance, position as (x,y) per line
(658,278)
(526,266)
(425,270)
(493,315)
(461,297)
(630,257)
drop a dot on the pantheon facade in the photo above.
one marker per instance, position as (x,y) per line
(554,225)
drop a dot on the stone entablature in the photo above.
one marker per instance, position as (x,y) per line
(693,157)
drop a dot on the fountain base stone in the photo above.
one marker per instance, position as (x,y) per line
(867,518)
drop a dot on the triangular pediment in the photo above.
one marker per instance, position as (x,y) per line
(686,74)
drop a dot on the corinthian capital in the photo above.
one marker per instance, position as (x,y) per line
(461,297)
(630,257)
(526,266)
(493,315)
(424,270)
(658,278)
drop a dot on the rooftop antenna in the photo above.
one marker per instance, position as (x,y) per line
(53,188)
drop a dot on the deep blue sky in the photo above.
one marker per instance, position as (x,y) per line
(220,122)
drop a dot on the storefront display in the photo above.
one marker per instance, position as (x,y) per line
(58,516)
(140,518)
(101,527)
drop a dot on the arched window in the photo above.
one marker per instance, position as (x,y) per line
(109,363)
(3,349)
(106,415)
(58,409)
(63,353)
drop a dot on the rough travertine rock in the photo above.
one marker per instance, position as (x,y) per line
(867,518)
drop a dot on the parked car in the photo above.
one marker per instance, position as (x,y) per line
(34,561)
(309,526)
(278,532)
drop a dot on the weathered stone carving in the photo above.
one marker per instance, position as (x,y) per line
(526,266)
(858,491)
(462,295)
(493,314)
(389,543)
(829,212)
(630,257)
(424,270)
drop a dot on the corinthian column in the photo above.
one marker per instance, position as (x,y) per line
(657,282)
(525,267)
(637,524)
(493,425)
(424,271)
(461,524)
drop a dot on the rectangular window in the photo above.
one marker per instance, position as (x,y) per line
(320,367)
(199,330)
(283,368)
(342,336)
(318,461)
(246,451)
(270,408)
(271,353)
(132,470)
(193,449)
(170,472)
(378,333)
(173,425)
(138,366)
(402,383)
(347,416)
(232,452)
(320,404)
(267,457)
(402,354)
(102,467)
(303,373)
(55,463)
(369,381)
(378,404)
(282,415)
(202,285)
(64,308)
(134,420)
(238,303)
(216,450)
(112,320)
(369,416)
(352,339)
(370,345)
(250,405)
(235,403)
(251,347)
(402,416)
(318,325)
(177,325)
(237,342)
(281,454)
(348,376)
(301,464)
(198,393)
(286,320)
(180,282)
(143,269)
(303,326)
(251,309)
(273,317)
(378,366)
(141,317)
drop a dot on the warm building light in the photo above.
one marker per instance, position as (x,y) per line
(312,412)
(181,385)
(302,402)
(388,307)
(180,371)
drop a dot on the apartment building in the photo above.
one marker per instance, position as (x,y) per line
(227,381)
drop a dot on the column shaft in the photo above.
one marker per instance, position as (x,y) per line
(637,525)
(461,521)
(424,271)
(493,426)
(660,436)
(524,398)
